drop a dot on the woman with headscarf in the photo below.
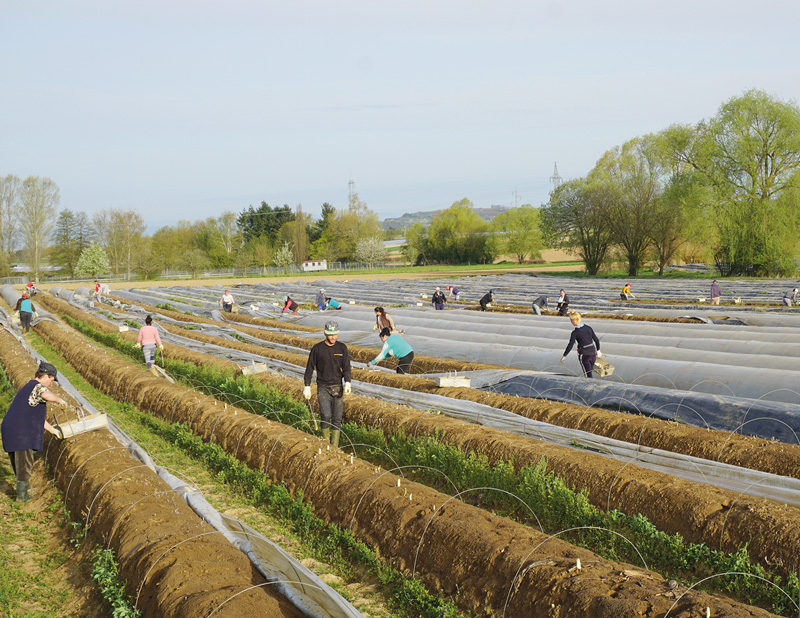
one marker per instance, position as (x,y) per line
(289,305)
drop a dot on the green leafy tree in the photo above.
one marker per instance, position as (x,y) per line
(194,260)
(72,234)
(170,242)
(577,219)
(264,221)
(148,264)
(416,249)
(749,154)
(348,226)
(458,235)
(321,224)
(261,252)
(519,228)
(92,262)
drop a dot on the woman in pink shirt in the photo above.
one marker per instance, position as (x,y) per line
(148,339)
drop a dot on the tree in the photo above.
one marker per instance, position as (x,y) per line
(194,260)
(458,235)
(10,188)
(120,231)
(284,257)
(92,262)
(577,219)
(348,226)
(321,224)
(148,264)
(73,233)
(370,250)
(38,207)
(749,154)
(635,172)
(416,250)
(264,221)
(261,252)
(169,243)
(520,229)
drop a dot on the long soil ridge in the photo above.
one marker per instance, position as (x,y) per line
(461,550)
(129,509)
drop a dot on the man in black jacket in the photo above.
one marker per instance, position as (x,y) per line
(438,299)
(331,360)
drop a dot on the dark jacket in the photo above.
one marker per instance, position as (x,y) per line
(289,305)
(23,424)
(587,341)
(487,298)
(332,364)
(541,301)
(438,298)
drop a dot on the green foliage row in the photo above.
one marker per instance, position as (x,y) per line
(556,505)
(112,587)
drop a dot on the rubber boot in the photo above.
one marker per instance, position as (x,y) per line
(326,435)
(335,438)
(22,491)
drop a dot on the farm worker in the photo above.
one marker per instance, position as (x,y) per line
(30,289)
(319,299)
(26,311)
(789,297)
(588,344)
(97,294)
(716,292)
(331,360)
(626,293)
(25,422)
(383,320)
(539,304)
(453,292)
(227,301)
(148,339)
(395,345)
(562,303)
(331,304)
(486,299)
(289,305)
(438,299)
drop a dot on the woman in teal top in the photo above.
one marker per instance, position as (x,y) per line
(395,345)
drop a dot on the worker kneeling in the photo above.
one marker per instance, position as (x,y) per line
(395,345)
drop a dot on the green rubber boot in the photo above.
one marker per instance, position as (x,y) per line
(335,438)
(22,491)
(326,435)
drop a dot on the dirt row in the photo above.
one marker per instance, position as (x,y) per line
(701,513)
(472,556)
(746,451)
(128,508)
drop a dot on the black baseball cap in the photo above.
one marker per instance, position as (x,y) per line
(49,369)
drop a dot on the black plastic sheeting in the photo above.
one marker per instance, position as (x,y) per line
(764,419)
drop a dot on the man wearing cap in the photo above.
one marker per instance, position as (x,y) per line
(438,299)
(331,360)
(319,299)
(486,299)
(25,422)
(789,297)
(227,301)
(395,345)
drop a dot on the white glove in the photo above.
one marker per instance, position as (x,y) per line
(562,359)
(599,353)
(307,392)
(347,388)
(161,347)
(138,345)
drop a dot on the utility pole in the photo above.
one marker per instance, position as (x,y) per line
(555,178)
(516,198)
(351,190)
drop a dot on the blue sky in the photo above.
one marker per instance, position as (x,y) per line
(182,110)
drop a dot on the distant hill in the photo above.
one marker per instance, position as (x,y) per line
(426,216)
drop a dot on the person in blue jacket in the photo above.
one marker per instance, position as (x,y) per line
(26,311)
(25,422)
(395,345)
(331,304)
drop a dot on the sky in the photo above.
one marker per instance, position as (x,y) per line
(183,110)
